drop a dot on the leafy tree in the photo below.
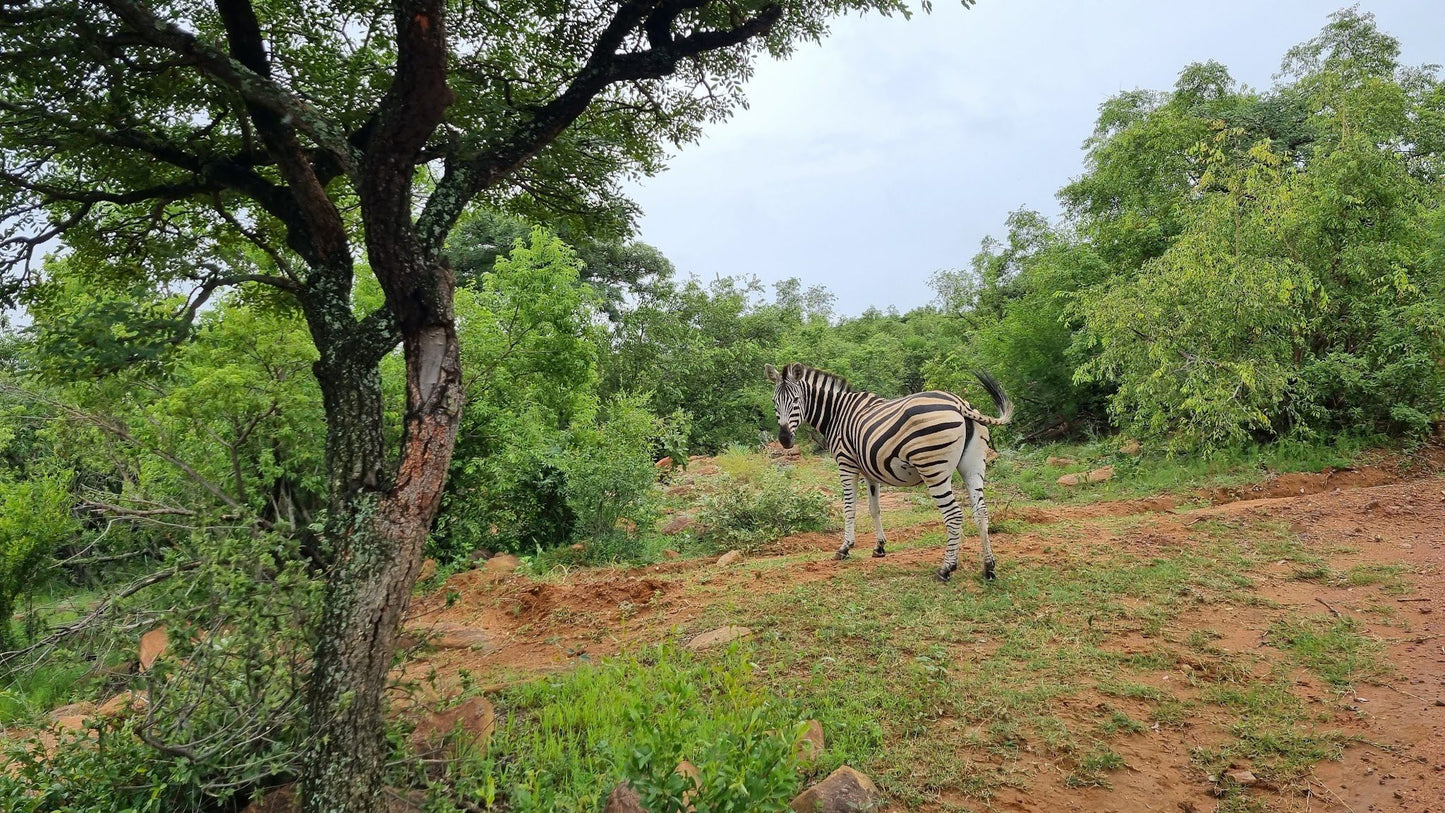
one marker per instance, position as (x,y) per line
(613,267)
(178,144)
(1300,293)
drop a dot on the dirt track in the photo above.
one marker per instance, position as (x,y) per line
(520,627)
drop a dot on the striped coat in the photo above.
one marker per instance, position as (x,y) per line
(919,439)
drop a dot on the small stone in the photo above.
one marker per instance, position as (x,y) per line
(456,636)
(468,725)
(152,646)
(665,463)
(670,554)
(624,800)
(278,800)
(1243,778)
(71,722)
(718,637)
(729,557)
(501,564)
(428,569)
(681,523)
(1060,462)
(122,704)
(689,770)
(810,747)
(844,791)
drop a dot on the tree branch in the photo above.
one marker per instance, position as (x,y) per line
(257,89)
(465,178)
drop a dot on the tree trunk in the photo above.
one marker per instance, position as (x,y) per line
(378,525)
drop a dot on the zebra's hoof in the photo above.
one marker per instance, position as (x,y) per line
(943,574)
(879,553)
(988,571)
(842,554)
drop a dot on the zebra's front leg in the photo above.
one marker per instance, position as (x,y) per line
(877,511)
(850,487)
(942,493)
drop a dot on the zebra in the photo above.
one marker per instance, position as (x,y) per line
(919,438)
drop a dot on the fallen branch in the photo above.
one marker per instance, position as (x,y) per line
(1328,607)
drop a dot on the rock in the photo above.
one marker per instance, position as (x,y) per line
(844,791)
(449,732)
(70,722)
(501,565)
(729,557)
(1061,461)
(278,800)
(689,770)
(152,645)
(456,636)
(810,747)
(718,637)
(428,569)
(1131,446)
(624,800)
(670,554)
(397,800)
(665,463)
(72,717)
(1243,778)
(1095,476)
(681,523)
(123,703)
(479,557)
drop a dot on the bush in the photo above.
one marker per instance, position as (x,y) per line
(563,743)
(225,702)
(34,518)
(749,511)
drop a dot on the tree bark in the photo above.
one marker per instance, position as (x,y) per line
(378,526)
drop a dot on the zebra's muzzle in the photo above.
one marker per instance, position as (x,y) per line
(785,437)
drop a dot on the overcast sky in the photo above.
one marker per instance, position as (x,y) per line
(888,152)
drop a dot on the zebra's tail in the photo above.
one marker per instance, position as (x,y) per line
(1000,398)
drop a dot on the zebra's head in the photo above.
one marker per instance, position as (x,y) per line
(787,400)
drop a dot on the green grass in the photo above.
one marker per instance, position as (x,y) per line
(1333,648)
(564,742)
(897,666)
(26,696)
(1023,474)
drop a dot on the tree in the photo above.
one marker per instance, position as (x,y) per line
(184,146)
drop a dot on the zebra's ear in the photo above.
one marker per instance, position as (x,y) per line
(773,374)
(794,370)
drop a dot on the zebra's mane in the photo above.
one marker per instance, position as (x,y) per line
(825,377)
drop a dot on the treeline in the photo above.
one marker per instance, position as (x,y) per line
(1233,265)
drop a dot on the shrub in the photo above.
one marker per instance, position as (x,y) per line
(34,518)
(224,711)
(749,511)
(565,742)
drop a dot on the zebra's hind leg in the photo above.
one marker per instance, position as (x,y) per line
(877,511)
(941,490)
(850,487)
(971,467)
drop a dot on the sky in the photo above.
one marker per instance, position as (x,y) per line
(892,149)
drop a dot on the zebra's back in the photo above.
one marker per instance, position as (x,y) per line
(902,441)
